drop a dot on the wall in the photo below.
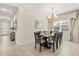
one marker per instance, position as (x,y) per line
(66,35)
(26,22)
(27,14)
(67,15)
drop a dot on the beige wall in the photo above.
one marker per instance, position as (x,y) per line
(66,35)
(68,15)
(26,22)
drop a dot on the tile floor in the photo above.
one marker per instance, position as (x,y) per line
(68,48)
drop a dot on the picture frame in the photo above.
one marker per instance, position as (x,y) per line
(38,24)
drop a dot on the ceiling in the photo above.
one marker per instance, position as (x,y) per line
(58,7)
(7,11)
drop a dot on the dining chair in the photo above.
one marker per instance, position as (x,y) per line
(38,40)
(54,41)
(57,39)
(60,38)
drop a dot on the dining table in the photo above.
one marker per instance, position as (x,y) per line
(47,39)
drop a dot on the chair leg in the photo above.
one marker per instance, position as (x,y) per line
(53,47)
(35,45)
(57,45)
(40,48)
(59,42)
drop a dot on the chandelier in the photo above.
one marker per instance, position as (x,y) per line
(53,16)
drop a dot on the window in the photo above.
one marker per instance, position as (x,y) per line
(4,27)
(61,25)
(64,26)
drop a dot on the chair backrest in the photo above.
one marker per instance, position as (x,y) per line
(55,37)
(60,35)
(37,36)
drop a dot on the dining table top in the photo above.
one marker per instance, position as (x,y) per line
(47,35)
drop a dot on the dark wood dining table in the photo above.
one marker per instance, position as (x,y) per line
(46,39)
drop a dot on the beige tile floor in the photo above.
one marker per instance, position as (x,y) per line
(68,48)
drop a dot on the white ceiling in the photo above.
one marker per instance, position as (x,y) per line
(58,7)
(44,7)
(7,10)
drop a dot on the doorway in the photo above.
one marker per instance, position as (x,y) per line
(7,23)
